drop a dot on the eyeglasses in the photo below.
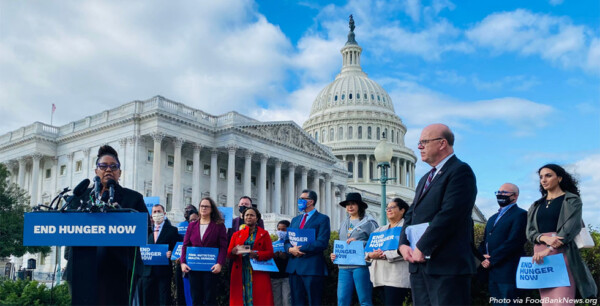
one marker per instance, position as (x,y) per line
(502,192)
(305,199)
(204,206)
(424,142)
(104,167)
(389,208)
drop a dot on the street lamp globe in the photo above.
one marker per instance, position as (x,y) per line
(383,152)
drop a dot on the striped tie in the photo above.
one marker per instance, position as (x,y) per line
(429,179)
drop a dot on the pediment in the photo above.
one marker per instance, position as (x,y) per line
(289,134)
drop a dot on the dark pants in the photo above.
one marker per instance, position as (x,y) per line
(500,293)
(440,289)
(156,290)
(394,295)
(179,284)
(305,285)
(203,285)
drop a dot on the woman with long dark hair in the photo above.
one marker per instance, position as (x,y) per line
(249,287)
(357,227)
(553,222)
(388,268)
(208,232)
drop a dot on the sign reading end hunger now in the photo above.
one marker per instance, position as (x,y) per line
(85,229)
(352,253)
(385,241)
(552,273)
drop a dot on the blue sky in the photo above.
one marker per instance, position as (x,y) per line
(517,81)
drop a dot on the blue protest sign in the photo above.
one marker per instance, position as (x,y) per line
(227,213)
(552,273)
(201,259)
(155,254)
(85,229)
(349,254)
(265,265)
(301,236)
(385,241)
(150,202)
(177,251)
(278,246)
(182,228)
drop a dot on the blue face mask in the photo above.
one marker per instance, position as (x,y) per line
(302,204)
(281,235)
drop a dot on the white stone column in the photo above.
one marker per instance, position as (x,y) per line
(54,173)
(157,187)
(21,176)
(355,169)
(231,176)
(328,206)
(398,171)
(177,205)
(35,179)
(248,173)
(304,181)
(125,175)
(290,189)
(315,183)
(134,142)
(196,192)
(368,172)
(277,200)
(86,163)
(214,174)
(70,169)
(262,183)
(403,174)
(412,175)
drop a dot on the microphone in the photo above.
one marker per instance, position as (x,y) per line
(78,191)
(97,188)
(111,190)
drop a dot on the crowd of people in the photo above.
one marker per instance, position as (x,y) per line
(435,269)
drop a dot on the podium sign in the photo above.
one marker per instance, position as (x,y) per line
(85,229)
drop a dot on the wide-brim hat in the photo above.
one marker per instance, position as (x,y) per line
(354,197)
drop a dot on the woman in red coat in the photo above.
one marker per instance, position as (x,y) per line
(250,287)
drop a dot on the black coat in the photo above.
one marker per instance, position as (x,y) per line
(447,206)
(505,243)
(103,275)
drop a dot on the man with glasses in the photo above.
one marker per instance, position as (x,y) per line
(442,261)
(306,266)
(502,245)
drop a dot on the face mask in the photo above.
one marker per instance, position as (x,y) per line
(158,218)
(302,204)
(503,200)
(242,208)
(282,235)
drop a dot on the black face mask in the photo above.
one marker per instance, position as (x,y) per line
(503,200)
(242,208)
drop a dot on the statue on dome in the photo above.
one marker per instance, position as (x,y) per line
(351,23)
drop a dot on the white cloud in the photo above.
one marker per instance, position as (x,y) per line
(556,2)
(555,39)
(587,171)
(514,82)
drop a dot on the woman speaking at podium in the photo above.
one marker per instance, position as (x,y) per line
(106,275)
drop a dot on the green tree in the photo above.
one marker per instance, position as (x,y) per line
(14,202)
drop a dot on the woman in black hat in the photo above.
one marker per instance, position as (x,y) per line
(357,227)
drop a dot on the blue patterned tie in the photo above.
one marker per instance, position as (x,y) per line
(429,179)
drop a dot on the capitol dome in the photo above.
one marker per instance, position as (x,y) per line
(352,115)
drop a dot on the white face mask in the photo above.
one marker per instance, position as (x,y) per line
(158,218)
(282,235)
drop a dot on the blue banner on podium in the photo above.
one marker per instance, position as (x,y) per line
(227,213)
(155,254)
(200,258)
(85,229)
(301,236)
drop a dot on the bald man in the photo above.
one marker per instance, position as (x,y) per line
(442,262)
(502,245)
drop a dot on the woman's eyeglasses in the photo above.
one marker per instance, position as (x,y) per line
(104,167)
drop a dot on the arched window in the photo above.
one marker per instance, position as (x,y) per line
(360,132)
(323,134)
(386,135)
(365,96)
(372,97)
(369,133)
(349,132)
(343,96)
(392,135)
(378,133)
(350,169)
(340,133)
(360,169)
(379,100)
(349,96)
(335,98)
(331,134)
(317,136)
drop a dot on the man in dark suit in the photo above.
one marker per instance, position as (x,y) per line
(442,260)
(306,266)
(502,245)
(156,280)
(244,202)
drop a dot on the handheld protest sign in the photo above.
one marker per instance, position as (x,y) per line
(155,254)
(85,229)
(552,273)
(278,246)
(352,253)
(385,241)
(200,258)
(227,213)
(150,202)
(301,236)
(265,265)
(177,251)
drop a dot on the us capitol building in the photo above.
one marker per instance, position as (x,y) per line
(181,154)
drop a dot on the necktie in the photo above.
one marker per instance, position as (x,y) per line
(429,179)
(156,229)
(303,221)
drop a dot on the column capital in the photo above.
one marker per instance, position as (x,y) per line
(214,151)
(232,148)
(327,177)
(86,151)
(70,156)
(264,157)
(249,153)
(178,142)
(158,137)
(22,160)
(304,170)
(197,147)
(123,141)
(292,166)
(37,157)
(132,139)
(277,162)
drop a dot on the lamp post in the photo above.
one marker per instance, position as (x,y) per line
(383,156)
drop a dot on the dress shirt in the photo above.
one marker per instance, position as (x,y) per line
(441,165)
(310,213)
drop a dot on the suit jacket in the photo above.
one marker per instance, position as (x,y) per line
(446,205)
(168,235)
(313,262)
(215,236)
(505,242)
